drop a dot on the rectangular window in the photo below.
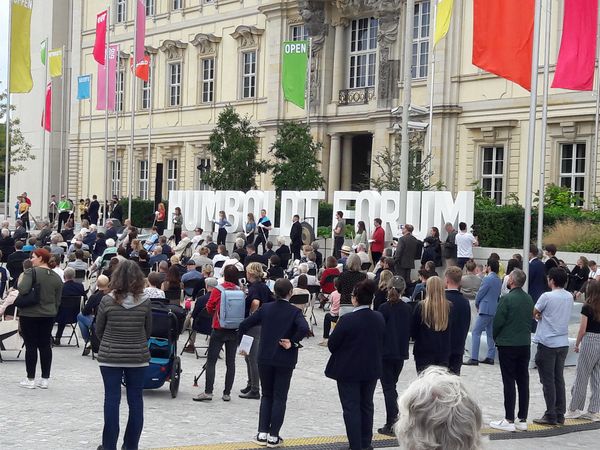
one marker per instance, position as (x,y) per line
(363,52)
(492,173)
(176,4)
(120,103)
(175,84)
(143,179)
(115,170)
(249,74)
(572,169)
(171,175)
(150,8)
(121,11)
(203,167)
(298,33)
(208,80)
(147,91)
(420,48)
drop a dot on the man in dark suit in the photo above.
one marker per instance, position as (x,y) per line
(538,284)
(20,233)
(14,264)
(460,318)
(296,237)
(93,210)
(111,231)
(252,256)
(407,250)
(212,247)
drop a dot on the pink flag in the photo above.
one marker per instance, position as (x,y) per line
(47,113)
(113,55)
(576,59)
(100,44)
(140,31)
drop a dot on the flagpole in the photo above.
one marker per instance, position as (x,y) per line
(594,152)
(540,224)
(430,128)
(90,138)
(43,197)
(106,64)
(531,137)
(7,127)
(62,122)
(150,100)
(310,39)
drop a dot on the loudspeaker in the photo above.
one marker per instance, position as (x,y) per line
(158,185)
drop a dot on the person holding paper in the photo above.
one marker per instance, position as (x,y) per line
(283,327)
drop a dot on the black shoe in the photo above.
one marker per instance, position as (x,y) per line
(560,419)
(545,420)
(489,361)
(56,342)
(471,362)
(387,430)
(86,351)
(246,389)
(254,395)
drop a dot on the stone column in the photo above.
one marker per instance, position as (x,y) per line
(346,163)
(334,166)
(339,62)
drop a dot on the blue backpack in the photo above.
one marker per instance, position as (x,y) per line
(233,308)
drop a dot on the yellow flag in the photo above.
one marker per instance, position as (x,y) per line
(55,58)
(442,20)
(20,47)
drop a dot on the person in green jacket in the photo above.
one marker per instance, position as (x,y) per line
(512,334)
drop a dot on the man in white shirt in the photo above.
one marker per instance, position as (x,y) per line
(361,251)
(465,241)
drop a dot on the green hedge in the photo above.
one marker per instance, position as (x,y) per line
(142,211)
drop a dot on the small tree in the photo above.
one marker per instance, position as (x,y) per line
(296,164)
(234,148)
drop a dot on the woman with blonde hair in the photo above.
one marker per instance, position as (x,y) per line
(381,295)
(136,246)
(160,218)
(431,327)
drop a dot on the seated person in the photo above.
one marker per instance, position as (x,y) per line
(319,256)
(234,261)
(7,244)
(153,290)
(240,250)
(71,288)
(344,252)
(197,239)
(253,256)
(152,241)
(303,270)
(112,265)
(385,263)
(183,244)
(269,252)
(143,259)
(20,233)
(31,245)
(361,251)
(100,245)
(44,236)
(102,261)
(419,291)
(329,275)
(172,285)
(79,263)
(201,320)
(166,248)
(191,274)
(275,271)
(283,252)
(176,262)
(86,317)
(201,257)
(334,313)
(301,288)
(15,261)
(157,256)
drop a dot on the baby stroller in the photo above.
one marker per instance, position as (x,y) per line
(165,365)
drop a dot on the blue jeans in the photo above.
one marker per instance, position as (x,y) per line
(484,322)
(85,322)
(134,379)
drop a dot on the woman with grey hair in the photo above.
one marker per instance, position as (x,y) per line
(350,278)
(437,412)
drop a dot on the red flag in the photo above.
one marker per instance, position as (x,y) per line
(100,44)
(140,30)
(142,69)
(576,59)
(503,38)
(47,112)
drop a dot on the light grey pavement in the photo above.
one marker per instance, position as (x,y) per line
(69,414)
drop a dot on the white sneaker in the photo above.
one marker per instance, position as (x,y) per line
(503,425)
(42,383)
(577,414)
(27,384)
(594,417)
(274,442)
(520,425)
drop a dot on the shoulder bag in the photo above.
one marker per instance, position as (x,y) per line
(32,297)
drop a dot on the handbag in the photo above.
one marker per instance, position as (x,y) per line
(31,298)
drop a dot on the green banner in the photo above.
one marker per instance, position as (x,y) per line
(295,63)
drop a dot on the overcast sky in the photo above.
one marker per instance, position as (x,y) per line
(3,41)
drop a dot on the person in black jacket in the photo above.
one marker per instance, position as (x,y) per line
(397,315)
(356,347)
(71,288)
(461,318)
(85,318)
(283,327)
(14,262)
(296,237)
(7,245)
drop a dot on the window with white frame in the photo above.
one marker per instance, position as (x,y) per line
(175,83)
(363,52)
(121,11)
(249,74)
(208,80)
(143,177)
(115,170)
(176,4)
(420,48)
(492,173)
(203,167)
(572,168)
(171,175)
(120,103)
(147,91)
(150,8)
(298,33)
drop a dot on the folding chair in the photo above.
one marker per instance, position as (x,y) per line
(173,295)
(364,267)
(314,292)
(300,301)
(70,307)
(80,275)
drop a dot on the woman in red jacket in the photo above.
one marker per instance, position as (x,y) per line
(378,241)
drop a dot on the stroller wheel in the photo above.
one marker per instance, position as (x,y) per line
(175,377)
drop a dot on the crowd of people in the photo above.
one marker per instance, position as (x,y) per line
(233,289)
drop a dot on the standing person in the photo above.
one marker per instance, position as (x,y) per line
(282,328)
(465,241)
(461,318)
(398,316)
(222,231)
(588,364)
(433,251)
(24,212)
(296,237)
(361,236)
(407,250)
(52,209)
(338,234)
(36,321)
(263,227)
(160,218)
(65,208)
(486,303)
(177,224)
(117,209)
(552,311)
(470,283)
(377,241)
(356,346)
(93,210)
(512,334)
(449,247)
(124,325)
(431,328)
(250,229)
(82,208)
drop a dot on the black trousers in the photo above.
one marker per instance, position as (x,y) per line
(357,405)
(275,383)
(551,365)
(51,217)
(221,236)
(25,220)
(295,249)
(514,367)
(63,217)
(160,227)
(338,243)
(404,273)
(37,335)
(422,362)
(177,234)
(261,238)
(389,380)
(217,339)
(327,324)
(376,256)
(455,362)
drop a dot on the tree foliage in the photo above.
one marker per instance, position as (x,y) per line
(20,149)
(296,165)
(234,148)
